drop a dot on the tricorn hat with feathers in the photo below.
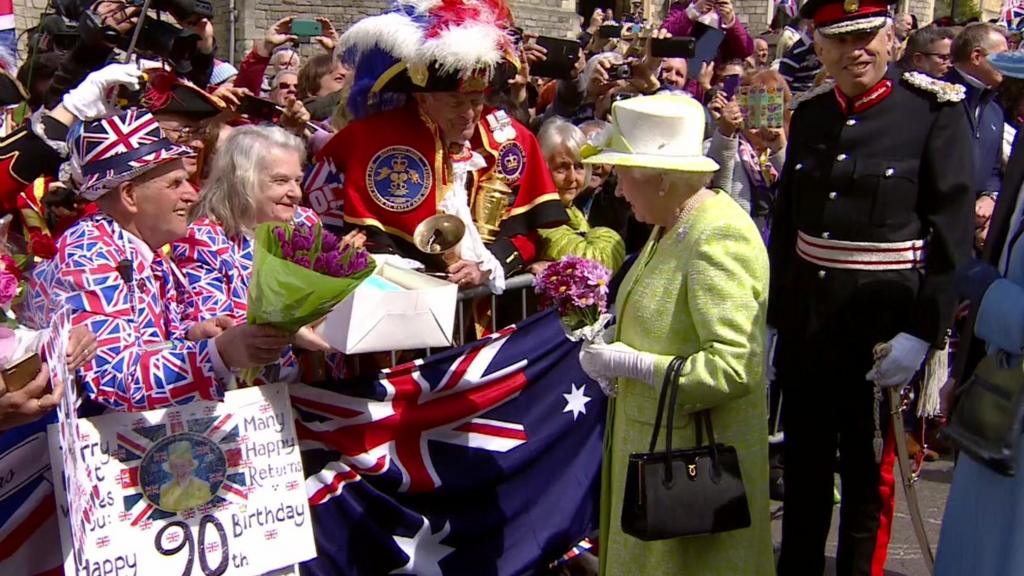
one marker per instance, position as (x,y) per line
(425,46)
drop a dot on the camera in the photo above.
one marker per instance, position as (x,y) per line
(157,39)
(620,72)
(182,10)
(53,33)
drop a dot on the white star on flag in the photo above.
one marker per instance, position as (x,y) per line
(424,550)
(576,402)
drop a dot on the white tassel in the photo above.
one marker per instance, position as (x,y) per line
(936,372)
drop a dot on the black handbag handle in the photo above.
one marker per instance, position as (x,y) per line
(668,395)
(667,478)
(705,417)
(671,375)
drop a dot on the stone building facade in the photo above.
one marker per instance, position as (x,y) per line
(544,17)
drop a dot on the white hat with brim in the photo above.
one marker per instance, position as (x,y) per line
(663,132)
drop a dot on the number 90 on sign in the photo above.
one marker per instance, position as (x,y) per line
(174,537)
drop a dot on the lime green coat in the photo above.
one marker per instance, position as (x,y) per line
(578,238)
(699,290)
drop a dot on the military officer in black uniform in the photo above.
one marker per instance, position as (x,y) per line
(874,215)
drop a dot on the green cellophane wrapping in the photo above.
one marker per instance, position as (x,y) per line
(287,296)
(579,238)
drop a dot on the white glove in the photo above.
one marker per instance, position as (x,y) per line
(608,361)
(92,98)
(897,360)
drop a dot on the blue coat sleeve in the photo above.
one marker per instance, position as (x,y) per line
(1000,321)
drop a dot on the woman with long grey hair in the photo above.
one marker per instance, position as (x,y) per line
(256,178)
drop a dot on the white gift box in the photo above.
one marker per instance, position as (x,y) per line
(394,309)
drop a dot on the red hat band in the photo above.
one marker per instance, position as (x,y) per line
(849,10)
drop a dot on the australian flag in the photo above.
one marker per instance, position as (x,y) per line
(482,460)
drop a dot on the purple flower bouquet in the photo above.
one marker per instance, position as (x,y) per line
(578,289)
(300,273)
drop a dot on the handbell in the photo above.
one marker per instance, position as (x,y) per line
(440,235)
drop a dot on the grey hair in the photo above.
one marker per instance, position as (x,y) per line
(556,133)
(282,72)
(684,182)
(228,195)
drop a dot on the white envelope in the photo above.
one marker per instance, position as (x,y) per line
(418,312)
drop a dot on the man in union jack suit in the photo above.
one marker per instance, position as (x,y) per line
(421,72)
(110,271)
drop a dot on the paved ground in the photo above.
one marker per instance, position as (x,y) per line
(904,554)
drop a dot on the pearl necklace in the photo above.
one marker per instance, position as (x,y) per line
(689,206)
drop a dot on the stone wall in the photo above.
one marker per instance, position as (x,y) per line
(545,17)
(923,9)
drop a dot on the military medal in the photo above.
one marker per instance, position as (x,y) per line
(501,126)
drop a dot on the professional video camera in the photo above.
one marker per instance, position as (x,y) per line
(182,10)
(157,38)
(53,33)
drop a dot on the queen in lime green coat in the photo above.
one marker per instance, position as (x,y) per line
(697,290)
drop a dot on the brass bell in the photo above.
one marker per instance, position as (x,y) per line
(440,235)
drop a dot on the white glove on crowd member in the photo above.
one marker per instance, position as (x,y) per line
(93,98)
(898,360)
(617,360)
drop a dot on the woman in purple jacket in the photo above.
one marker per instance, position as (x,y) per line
(737,44)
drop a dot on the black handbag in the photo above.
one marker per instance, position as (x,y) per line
(683,492)
(988,416)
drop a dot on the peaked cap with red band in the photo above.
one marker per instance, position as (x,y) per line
(836,17)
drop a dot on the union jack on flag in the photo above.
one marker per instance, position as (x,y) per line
(789,7)
(120,147)
(1011,14)
(479,460)
(322,186)
(134,443)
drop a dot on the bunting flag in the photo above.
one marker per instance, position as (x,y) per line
(789,7)
(1011,14)
(481,460)
(8,34)
(29,539)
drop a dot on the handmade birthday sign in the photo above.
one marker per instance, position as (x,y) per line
(208,488)
(762,106)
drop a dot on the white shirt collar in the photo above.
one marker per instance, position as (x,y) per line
(971,79)
(143,249)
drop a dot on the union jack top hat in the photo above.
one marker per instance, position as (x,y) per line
(109,151)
